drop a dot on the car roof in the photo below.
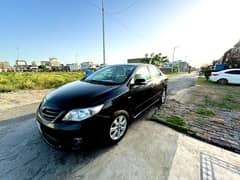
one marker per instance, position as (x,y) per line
(131,64)
(234,69)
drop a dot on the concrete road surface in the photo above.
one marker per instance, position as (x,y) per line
(148,151)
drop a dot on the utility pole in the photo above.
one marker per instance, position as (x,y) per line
(103,33)
(174,48)
(17,53)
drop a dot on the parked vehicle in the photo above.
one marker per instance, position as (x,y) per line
(221,67)
(103,104)
(231,76)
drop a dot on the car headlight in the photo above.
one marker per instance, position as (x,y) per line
(81,114)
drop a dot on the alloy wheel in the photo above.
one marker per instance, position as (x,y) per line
(118,127)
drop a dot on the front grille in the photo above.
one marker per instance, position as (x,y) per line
(49,114)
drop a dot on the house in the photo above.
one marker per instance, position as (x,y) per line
(36,63)
(21,65)
(136,60)
(183,65)
(73,66)
(232,57)
(86,65)
(5,66)
(54,62)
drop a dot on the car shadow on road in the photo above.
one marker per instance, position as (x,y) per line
(25,155)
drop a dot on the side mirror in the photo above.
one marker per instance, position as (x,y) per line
(140,81)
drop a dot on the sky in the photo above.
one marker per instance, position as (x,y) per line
(71,30)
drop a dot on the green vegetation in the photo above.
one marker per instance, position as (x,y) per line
(174,122)
(203,81)
(176,67)
(156,59)
(44,80)
(222,103)
(205,112)
(201,122)
(215,95)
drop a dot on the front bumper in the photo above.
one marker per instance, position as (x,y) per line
(71,134)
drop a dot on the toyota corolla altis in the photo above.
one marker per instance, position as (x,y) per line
(102,104)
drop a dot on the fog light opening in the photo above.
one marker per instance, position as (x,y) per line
(77,142)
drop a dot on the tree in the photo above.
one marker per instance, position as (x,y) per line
(156,59)
(175,67)
(42,67)
(207,70)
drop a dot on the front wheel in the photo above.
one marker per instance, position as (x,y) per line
(118,127)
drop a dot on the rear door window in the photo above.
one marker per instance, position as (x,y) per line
(142,73)
(234,72)
(155,72)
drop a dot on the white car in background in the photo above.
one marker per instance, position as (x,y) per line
(231,76)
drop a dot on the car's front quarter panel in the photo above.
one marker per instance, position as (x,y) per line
(118,100)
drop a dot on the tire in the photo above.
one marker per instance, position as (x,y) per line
(117,127)
(163,97)
(223,81)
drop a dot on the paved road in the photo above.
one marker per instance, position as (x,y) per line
(146,152)
(181,82)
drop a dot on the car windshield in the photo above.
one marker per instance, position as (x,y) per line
(112,74)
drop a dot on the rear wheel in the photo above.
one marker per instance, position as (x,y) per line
(222,81)
(163,97)
(118,127)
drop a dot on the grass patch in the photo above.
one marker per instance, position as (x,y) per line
(174,122)
(209,94)
(13,81)
(205,112)
(201,122)
(203,81)
(223,102)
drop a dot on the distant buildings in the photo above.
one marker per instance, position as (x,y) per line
(36,63)
(54,62)
(87,64)
(45,63)
(5,66)
(136,60)
(21,65)
(73,67)
(183,65)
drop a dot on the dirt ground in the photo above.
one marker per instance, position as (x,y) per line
(21,98)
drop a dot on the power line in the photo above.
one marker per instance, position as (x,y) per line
(126,8)
(120,23)
(94,5)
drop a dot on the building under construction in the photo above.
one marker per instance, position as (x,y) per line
(231,57)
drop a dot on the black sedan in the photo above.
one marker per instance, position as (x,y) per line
(102,104)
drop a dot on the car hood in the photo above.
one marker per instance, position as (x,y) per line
(78,94)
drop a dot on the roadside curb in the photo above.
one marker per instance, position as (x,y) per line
(193,135)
